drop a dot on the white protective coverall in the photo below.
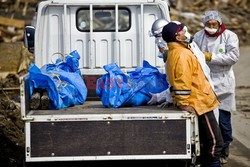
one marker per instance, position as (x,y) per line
(225,53)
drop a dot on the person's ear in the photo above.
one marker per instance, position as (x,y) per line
(178,38)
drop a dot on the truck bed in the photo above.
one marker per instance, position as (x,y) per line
(96,107)
(94,132)
(88,108)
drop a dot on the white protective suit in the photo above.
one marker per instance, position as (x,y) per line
(225,53)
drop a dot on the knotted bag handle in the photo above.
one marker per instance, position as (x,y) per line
(58,53)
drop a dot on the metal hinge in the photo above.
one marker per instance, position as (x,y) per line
(188,115)
(28,118)
(52,119)
(164,117)
(107,118)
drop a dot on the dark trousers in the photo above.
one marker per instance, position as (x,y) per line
(211,139)
(226,130)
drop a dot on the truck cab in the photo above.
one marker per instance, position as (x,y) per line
(103,32)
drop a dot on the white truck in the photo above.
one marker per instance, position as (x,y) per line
(103,32)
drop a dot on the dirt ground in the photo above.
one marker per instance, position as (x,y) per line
(240,148)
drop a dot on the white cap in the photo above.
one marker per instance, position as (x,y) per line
(212,15)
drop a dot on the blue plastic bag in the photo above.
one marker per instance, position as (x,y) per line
(62,81)
(117,89)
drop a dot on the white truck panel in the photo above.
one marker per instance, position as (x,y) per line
(59,34)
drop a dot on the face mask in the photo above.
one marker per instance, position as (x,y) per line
(211,30)
(160,43)
(188,36)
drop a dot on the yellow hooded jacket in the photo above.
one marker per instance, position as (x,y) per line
(189,85)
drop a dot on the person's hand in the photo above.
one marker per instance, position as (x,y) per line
(208,56)
(188,109)
(153,99)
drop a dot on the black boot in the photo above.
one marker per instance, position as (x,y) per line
(35,99)
(45,101)
(224,155)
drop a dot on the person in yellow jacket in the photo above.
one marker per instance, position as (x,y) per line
(191,91)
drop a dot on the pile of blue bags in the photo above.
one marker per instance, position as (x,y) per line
(65,86)
(117,89)
(62,81)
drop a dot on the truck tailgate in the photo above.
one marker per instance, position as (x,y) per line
(92,132)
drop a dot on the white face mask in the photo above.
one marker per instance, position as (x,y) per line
(187,35)
(160,43)
(211,30)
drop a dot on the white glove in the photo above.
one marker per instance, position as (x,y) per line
(169,98)
(161,97)
(165,105)
(153,99)
(166,99)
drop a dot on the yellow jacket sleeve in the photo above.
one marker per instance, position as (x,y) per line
(182,80)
